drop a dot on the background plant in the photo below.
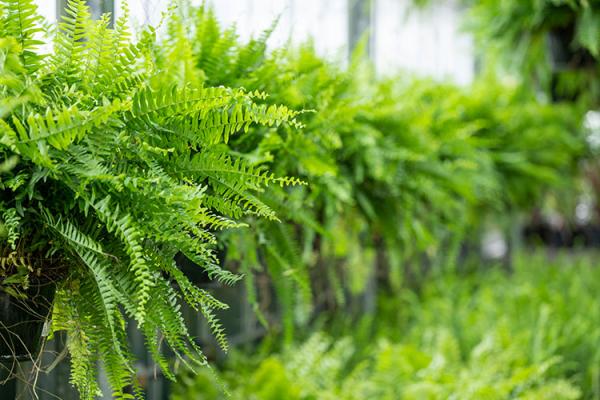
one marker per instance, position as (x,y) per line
(468,336)
(552,44)
(398,168)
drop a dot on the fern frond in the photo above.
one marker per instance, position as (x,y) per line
(70,43)
(126,229)
(61,128)
(11,222)
(20,20)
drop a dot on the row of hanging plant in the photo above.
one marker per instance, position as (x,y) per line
(399,169)
(120,156)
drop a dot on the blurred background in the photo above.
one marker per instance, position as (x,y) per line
(427,40)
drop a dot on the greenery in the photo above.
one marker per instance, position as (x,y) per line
(483,334)
(119,156)
(112,174)
(554,44)
(397,168)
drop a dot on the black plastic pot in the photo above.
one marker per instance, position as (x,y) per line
(22,321)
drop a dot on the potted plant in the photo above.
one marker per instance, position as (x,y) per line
(113,173)
(554,44)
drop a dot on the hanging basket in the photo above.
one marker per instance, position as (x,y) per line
(22,322)
(24,312)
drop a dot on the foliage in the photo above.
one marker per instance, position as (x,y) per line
(554,43)
(114,172)
(398,168)
(119,155)
(517,145)
(530,335)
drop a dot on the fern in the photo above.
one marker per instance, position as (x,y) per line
(70,44)
(523,36)
(117,169)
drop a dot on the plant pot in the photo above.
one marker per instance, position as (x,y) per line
(25,311)
(22,321)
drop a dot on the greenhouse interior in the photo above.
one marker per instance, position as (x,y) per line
(299,199)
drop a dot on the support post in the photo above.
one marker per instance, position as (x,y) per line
(360,22)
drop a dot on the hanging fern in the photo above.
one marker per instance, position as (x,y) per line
(118,171)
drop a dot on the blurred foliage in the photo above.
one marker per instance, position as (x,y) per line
(397,168)
(534,334)
(552,44)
